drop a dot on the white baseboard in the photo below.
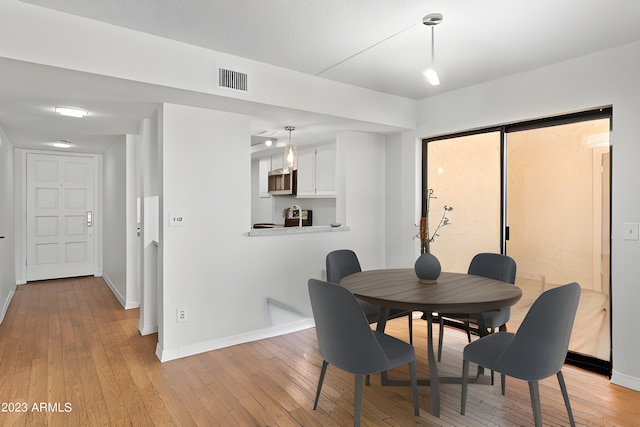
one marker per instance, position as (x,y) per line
(5,306)
(123,302)
(176,353)
(131,304)
(625,380)
(148,330)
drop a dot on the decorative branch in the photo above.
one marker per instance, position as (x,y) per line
(426,238)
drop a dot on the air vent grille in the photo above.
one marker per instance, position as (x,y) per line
(232,79)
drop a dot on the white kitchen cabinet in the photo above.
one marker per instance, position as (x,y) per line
(277,161)
(317,171)
(264,166)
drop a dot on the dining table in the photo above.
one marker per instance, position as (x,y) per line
(454,293)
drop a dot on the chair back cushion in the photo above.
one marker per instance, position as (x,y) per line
(540,345)
(344,335)
(498,267)
(341,263)
(494,266)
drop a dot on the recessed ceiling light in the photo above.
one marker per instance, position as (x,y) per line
(268,142)
(71,112)
(63,143)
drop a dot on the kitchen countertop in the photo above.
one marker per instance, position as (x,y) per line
(281,230)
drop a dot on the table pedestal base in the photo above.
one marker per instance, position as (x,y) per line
(434,379)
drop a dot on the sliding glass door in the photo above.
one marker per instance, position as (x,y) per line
(557,214)
(540,192)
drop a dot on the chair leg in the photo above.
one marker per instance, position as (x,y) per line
(357,401)
(414,387)
(410,328)
(465,381)
(503,384)
(322,372)
(468,328)
(565,395)
(535,402)
(440,336)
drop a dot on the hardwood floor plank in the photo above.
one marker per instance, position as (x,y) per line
(70,341)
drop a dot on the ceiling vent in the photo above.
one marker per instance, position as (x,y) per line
(232,79)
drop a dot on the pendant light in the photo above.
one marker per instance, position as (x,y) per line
(290,154)
(431,20)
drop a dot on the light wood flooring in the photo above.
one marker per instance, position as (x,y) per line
(591,333)
(69,344)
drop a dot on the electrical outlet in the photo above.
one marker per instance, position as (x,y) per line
(181,315)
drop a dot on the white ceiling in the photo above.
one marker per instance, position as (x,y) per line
(377,44)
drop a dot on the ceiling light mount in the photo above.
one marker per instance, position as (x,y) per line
(432,19)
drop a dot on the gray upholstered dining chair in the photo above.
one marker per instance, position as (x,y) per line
(493,266)
(343,262)
(347,341)
(536,351)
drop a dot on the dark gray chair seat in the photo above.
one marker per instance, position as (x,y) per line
(343,262)
(536,351)
(347,341)
(493,266)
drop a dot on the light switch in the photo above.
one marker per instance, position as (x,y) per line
(175,220)
(631,231)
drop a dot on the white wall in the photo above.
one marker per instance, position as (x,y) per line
(605,78)
(120,260)
(114,222)
(7,249)
(403,183)
(362,168)
(148,203)
(132,240)
(262,209)
(211,267)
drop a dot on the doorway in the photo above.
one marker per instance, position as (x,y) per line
(539,192)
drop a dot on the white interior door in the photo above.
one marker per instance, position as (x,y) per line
(60,215)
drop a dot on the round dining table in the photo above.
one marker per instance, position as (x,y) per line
(455,293)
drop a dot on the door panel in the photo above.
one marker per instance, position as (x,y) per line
(556,196)
(59,197)
(464,173)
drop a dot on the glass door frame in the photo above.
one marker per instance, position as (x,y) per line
(605,112)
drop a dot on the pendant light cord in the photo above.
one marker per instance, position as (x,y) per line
(433,44)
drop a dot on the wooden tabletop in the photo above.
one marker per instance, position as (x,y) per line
(453,293)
